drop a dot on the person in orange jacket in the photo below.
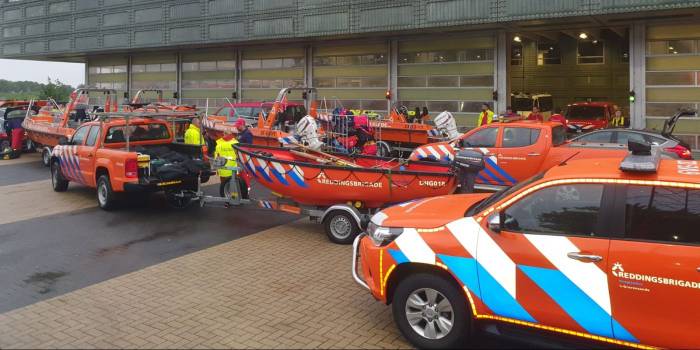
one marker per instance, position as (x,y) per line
(535,115)
(558,117)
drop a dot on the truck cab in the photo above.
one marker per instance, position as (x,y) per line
(599,251)
(515,151)
(588,116)
(118,155)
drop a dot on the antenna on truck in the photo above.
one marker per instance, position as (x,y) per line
(568,159)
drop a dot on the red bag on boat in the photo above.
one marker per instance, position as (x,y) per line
(370,149)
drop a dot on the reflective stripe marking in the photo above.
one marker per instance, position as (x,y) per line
(434,152)
(414,247)
(587,276)
(445,150)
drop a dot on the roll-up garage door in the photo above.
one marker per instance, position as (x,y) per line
(208,77)
(447,74)
(354,76)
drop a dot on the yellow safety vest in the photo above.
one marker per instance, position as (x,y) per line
(225,149)
(489,118)
(618,122)
(193,136)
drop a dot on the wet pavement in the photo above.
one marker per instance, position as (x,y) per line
(47,256)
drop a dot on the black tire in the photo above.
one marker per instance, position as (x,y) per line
(58,182)
(460,332)
(46,156)
(106,198)
(341,227)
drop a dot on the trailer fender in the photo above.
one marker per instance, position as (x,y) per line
(351,210)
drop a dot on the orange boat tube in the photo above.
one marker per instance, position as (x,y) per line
(375,181)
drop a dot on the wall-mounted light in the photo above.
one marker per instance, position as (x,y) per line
(517,39)
(583,35)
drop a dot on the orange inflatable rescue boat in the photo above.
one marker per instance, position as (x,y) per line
(324,179)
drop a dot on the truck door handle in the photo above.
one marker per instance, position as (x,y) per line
(533,154)
(587,258)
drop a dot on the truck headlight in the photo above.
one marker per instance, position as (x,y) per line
(382,235)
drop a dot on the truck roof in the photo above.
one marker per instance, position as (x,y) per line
(530,123)
(592,104)
(670,170)
(122,121)
(259,104)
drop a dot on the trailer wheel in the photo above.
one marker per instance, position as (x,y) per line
(106,198)
(177,201)
(58,182)
(341,227)
(46,156)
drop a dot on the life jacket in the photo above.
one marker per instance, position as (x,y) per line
(225,149)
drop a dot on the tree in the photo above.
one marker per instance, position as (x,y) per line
(56,90)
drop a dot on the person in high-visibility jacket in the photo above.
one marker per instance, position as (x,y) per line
(224,149)
(617,121)
(486,115)
(193,135)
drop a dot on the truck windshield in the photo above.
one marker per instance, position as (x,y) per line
(586,113)
(521,104)
(546,103)
(502,194)
(139,132)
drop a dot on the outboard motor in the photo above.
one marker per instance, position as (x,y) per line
(447,125)
(307,131)
(468,163)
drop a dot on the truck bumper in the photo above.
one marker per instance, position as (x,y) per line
(156,186)
(366,266)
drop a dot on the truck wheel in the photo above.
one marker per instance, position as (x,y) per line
(106,198)
(431,312)
(58,182)
(341,227)
(46,156)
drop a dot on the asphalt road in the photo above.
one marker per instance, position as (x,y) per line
(51,255)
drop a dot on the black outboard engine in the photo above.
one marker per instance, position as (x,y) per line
(468,163)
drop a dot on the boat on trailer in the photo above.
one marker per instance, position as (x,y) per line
(339,190)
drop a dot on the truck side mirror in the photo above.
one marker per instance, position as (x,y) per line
(63,141)
(494,222)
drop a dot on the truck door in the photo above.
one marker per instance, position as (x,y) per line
(519,154)
(70,157)
(654,270)
(86,155)
(544,259)
(485,140)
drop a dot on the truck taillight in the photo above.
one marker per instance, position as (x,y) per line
(131,168)
(681,151)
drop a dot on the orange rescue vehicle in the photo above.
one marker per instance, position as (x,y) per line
(602,250)
(515,151)
(128,152)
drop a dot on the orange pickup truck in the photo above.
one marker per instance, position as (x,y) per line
(515,151)
(137,155)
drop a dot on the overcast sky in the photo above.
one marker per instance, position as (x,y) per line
(18,70)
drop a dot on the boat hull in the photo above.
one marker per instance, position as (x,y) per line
(377,183)
(45,133)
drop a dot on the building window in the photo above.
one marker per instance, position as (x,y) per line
(590,52)
(548,53)
(446,56)
(107,69)
(209,66)
(351,60)
(516,54)
(273,63)
(672,47)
